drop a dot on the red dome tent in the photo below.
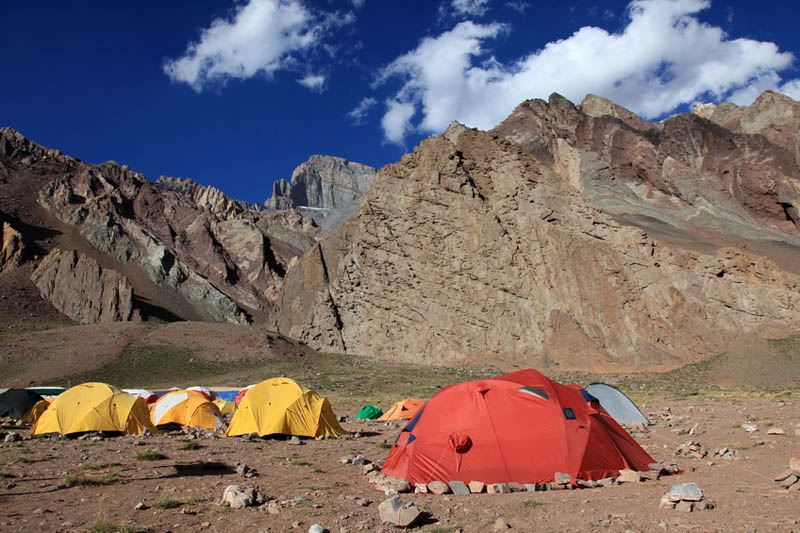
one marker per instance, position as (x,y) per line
(520,427)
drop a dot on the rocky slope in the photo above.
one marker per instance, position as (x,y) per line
(580,237)
(188,252)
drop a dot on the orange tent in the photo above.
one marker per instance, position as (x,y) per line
(520,427)
(403,409)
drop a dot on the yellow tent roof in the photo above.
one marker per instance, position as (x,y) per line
(225,407)
(94,407)
(282,406)
(186,407)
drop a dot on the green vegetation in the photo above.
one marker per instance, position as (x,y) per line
(788,348)
(190,445)
(23,460)
(85,481)
(298,462)
(101,525)
(165,502)
(532,502)
(150,455)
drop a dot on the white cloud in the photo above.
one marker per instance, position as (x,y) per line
(664,58)
(519,7)
(262,37)
(359,112)
(466,8)
(358,3)
(397,120)
(314,82)
(791,89)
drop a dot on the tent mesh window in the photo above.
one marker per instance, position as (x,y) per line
(569,414)
(535,391)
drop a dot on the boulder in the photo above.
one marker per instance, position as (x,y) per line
(236,497)
(438,487)
(685,491)
(394,511)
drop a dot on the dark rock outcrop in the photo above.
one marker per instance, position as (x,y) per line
(12,249)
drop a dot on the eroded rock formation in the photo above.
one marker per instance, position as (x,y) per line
(477,246)
(13,248)
(78,287)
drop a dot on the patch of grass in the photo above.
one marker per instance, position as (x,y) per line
(385,445)
(738,490)
(6,475)
(532,502)
(159,365)
(317,471)
(86,481)
(165,502)
(448,529)
(150,455)
(298,462)
(101,525)
(789,348)
(190,445)
(99,466)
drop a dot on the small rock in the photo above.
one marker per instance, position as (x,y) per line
(363,502)
(420,488)
(750,428)
(500,524)
(316,528)
(394,511)
(794,465)
(498,488)
(394,483)
(141,506)
(359,460)
(789,481)
(476,487)
(366,469)
(12,436)
(684,506)
(459,487)
(531,487)
(295,441)
(607,481)
(776,431)
(666,503)
(272,508)
(438,487)
(236,497)
(561,478)
(685,491)
(515,487)
(783,475)
(628,476)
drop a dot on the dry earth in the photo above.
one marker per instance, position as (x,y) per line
(34,496)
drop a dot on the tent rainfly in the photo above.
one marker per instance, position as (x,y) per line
(282,406)
(520,427)
(404,409)
(617,404)
(94,407)
(188,408)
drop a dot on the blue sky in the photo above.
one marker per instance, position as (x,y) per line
(236,94)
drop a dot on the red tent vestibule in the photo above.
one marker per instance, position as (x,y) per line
(521,427)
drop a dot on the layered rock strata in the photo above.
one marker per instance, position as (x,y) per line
(472,246)
(78,287)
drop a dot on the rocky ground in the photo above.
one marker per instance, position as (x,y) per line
(122,483)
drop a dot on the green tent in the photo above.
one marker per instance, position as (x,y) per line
(368,412)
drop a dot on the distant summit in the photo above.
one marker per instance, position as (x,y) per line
(324,182)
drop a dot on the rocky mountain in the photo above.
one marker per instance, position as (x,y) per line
(325,188)
(173,248)
(573,236)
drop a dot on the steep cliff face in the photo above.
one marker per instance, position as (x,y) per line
(186,249)
(78,287)
(323,182)
(473,247)
(12,247)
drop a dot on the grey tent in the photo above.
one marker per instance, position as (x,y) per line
(620,407)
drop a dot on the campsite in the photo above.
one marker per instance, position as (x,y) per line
(744,426)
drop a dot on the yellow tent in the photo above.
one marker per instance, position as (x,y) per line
(94,407)
(186,407)
(36,411)
(225,407)
(282,406)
